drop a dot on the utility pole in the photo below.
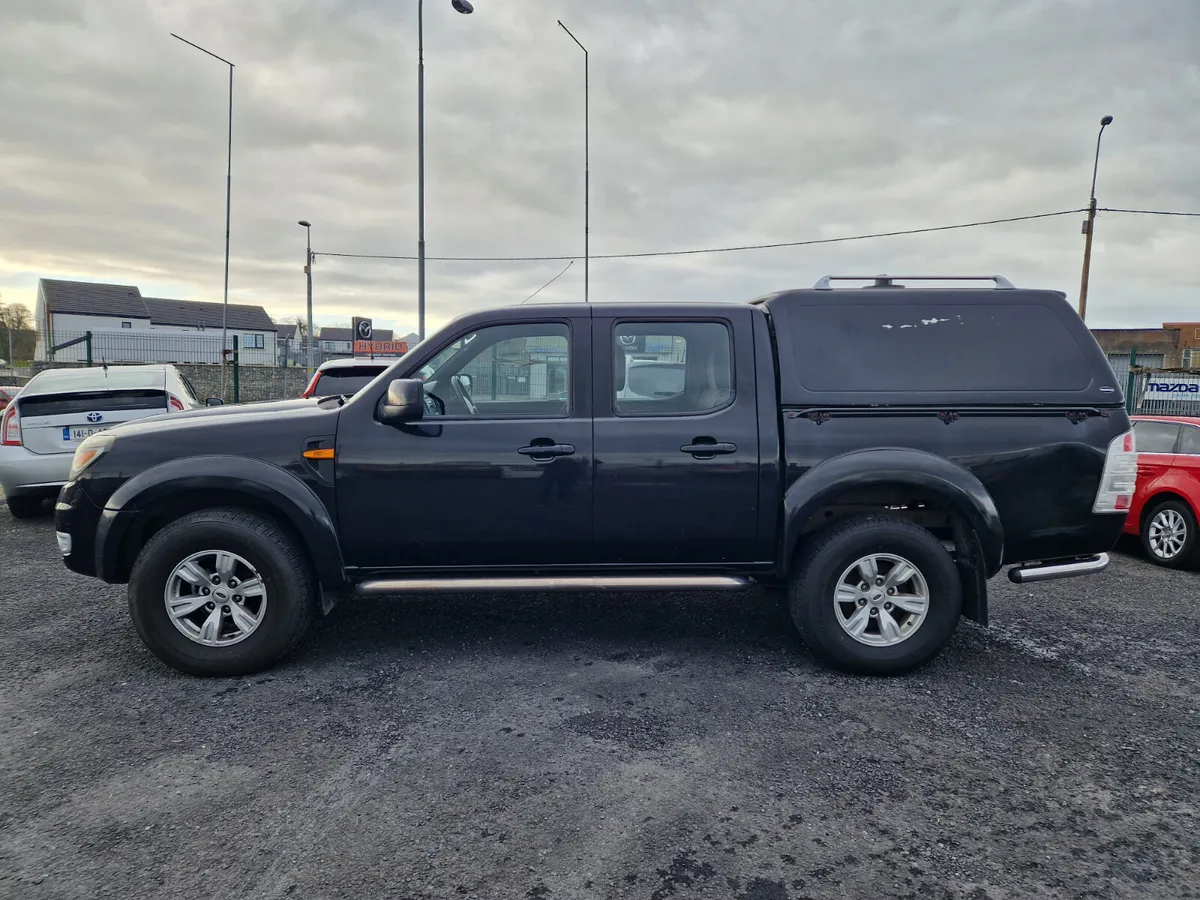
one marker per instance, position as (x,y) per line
(308,261)
(465,8)
(1089,226)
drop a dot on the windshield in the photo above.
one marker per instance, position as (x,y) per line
(426,372)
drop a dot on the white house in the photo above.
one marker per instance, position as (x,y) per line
(127,327)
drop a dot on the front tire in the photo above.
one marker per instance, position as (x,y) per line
(1169,535)
(222,592)
(875,595)
(26,507)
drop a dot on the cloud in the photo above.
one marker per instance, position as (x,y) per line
(712,123)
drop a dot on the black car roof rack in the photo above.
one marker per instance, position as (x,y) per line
(889,281)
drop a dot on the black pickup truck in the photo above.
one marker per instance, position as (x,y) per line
(878,451)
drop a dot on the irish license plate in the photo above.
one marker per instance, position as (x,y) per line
(75,435)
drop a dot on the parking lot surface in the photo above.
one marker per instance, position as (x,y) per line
(602,746)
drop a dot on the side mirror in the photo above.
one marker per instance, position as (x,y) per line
(404,401)
(214,401)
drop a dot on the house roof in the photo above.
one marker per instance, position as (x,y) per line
(93,299)
(125,301)
(196,313)
(344,334)
(287,331)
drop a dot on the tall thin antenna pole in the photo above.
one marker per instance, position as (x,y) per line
(421,169)
(228,198)
(587,176)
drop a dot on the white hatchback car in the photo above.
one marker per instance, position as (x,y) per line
(58,408)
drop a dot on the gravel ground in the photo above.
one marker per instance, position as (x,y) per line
(645,747)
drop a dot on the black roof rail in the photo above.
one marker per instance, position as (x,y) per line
(889,281)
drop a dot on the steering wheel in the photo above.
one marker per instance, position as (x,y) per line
(433,406)
(460,393)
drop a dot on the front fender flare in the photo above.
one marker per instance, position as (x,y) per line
(960,489)
(268,485)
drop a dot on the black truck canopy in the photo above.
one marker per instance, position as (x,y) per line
(936,347)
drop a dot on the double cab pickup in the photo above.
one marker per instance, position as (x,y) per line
(878,453)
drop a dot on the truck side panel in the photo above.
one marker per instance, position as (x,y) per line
(1041,469)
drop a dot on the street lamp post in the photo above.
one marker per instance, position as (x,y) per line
(586,160)
(308,261)
(464,7)
(1089,225)
(228,194)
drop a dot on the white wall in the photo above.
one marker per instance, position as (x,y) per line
(124,345)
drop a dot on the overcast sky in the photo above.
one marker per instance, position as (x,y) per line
(713,123)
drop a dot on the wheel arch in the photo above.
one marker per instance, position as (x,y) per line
(1158,498)
(163,493)
(890,473)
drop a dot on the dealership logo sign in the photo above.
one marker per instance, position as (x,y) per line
(1172,388)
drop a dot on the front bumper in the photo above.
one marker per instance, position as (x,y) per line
(75,520)
(25,472)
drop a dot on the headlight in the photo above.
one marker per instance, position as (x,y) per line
(88,452)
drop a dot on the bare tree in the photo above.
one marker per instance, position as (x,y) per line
(17,337)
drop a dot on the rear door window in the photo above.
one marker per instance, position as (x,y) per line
(671,368)
(1189,440)
(1155,437)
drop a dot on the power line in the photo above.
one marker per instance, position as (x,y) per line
(1148,212)
(772,246)
(804,243)
(550,282)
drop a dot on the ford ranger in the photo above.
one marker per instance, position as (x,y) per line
(877,452)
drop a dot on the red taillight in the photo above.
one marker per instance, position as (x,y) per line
(1128,445)
(10,431)
(312,385)
(175,403)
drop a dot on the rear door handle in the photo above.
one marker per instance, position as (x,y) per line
(708,449)
(546,451)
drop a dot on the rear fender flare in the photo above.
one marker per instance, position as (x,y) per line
(270,486)
(963,493)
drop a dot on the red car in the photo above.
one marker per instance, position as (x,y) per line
(7,392)
(1166,501)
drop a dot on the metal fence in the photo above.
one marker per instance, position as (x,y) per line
(127,346)
(509,380)
(1172,392)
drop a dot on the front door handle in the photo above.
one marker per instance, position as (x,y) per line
(707,448)
(543,452)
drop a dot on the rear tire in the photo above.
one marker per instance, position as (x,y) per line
(897,632)
(233,550)
(1169,535)
(26,507)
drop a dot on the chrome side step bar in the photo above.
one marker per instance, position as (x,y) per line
(502,584)
(1053,570)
